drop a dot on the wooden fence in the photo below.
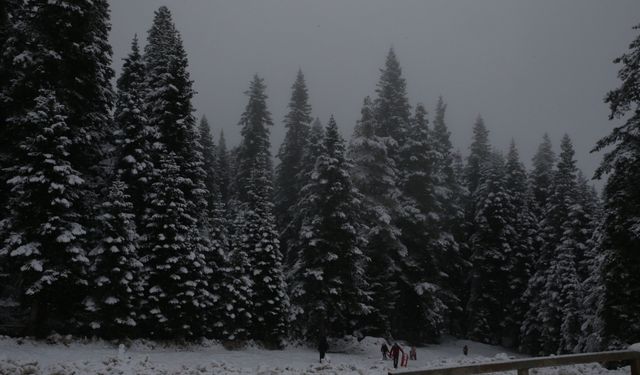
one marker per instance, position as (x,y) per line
(523,365)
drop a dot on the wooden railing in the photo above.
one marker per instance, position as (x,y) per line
(523,365)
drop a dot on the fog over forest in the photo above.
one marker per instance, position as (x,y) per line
(528,67)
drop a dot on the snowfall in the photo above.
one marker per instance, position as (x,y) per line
(66,357)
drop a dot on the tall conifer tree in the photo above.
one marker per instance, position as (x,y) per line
(116,271)
(135,136)
(256,237)
(621,235)
(490,248)
(375,175)
(329,290)
(297,121)
(44,237)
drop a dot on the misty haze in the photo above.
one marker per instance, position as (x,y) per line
(339,187)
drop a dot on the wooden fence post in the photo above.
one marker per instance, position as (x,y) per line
(635,366)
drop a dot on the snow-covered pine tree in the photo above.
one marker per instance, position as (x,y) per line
(448,198)
(135,137)
(391,108)
(522,243)
(42,35)
(540,182)
(375,175)
(209,156)
(83,82)
(328,291)
(239,292)
(621,230)
(592,303)
(421,306)
(221,279)
(478,155)
(8,13)
(218,273)
(255,122)
(168,106)
(589,220)
(44,237)
(541,176)
(312,151)
(177,297)
(224,168)
(489,281)
(9,31)
(390,117)
(258,239)
(116,272)
(553,290)
(297,121)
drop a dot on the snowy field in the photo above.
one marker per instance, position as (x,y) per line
(145,358)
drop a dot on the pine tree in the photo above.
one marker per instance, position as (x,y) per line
(448,205)
(553,293)
(224,168)
(218,274)
(177,297)
(542,175)
(209,156)
(297,122)
(239,293)
(311,153)
(422,305)
(258,239)
(45,236)
(9,11)
(116,270)
(255,121)
(135,136)
(479,154)
(522,223)
(177,243)
(392,111)
(621,240)
(375,175)
(328,289)
(168,86)
(168,106)
(490,254)
(42,35)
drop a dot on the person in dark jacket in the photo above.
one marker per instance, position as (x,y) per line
(323,346)
(465,350)
(384,349)
(395,354)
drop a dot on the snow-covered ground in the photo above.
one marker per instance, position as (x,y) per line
(21,357)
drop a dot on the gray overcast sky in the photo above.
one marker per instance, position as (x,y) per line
(528,67)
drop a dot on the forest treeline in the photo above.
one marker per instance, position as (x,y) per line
(123,217)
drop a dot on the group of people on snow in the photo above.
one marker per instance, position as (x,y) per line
(394,354)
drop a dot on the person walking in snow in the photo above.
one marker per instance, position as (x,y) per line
(384,349)
(465,350)
(412,353)
(323,346)
(395,354)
